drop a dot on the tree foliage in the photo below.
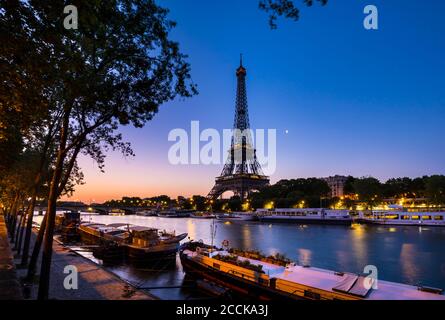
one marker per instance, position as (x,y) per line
(78,86)
(289,193)
(284,8)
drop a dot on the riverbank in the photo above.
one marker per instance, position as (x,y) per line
(94,282)
(9,285)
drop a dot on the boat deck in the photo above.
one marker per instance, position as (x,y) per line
(334,282)
(270,269)
(328,280)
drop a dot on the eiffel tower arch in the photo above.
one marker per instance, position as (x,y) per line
(241,173)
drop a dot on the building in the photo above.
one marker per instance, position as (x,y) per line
(337,185)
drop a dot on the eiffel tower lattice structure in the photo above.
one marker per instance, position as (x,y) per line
(241,173)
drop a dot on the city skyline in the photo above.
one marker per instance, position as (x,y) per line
(344,100)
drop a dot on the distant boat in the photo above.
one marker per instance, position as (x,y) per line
(305,216)
(237,216)
(202,215)
(147,213)
(403,218)
(116,212)
(175,213)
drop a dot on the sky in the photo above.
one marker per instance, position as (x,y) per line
(343,99)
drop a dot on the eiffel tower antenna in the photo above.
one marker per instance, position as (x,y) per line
(241,173)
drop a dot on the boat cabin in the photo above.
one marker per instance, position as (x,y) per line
(144,236)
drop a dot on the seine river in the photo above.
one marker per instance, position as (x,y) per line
(406,254)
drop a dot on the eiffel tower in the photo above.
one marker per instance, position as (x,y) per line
(241,173)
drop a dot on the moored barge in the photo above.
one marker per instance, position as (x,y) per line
(256,277)
(238,216)
(305,216)
(135,243)
(403,218)
(175,213)
(152,245)
(202,215)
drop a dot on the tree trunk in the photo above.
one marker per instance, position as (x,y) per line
(13,218)
(28,230)
(18,228)
(8,213)
(35,252)
(51,211)
(22,231)
(32,204)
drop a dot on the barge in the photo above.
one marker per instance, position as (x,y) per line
(147,213)
(175,213)
(202,215)
(238,216)
(305,216)
(134,243)
(66,224)
(253,276)
(403,218)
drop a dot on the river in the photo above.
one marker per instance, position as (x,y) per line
(407,254)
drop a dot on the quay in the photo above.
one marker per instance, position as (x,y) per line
(10,288)
(94,281)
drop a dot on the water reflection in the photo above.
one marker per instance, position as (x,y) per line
(408,259)
(403,254)
(304,256)
(359,246)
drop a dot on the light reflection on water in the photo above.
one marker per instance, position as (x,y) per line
(406,254)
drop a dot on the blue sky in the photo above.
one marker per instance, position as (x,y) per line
(353,101)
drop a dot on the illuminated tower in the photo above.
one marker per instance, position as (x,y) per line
(242,173)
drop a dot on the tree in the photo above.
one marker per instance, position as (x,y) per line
(348,188)
(284,8)
(398,188)
(235,203)
(435,189)
(116,69)
(199,203)
(289,193)
(369,190)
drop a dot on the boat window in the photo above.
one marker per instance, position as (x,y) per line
(438,218)
(426,218)
(216,266)
(415,217)
(405,217)
(312,295)
(392,216)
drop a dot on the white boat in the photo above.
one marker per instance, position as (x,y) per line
(147,213)
(175,213)
(305,216)
(202,215)
(405,218)
(237,216)
(116,212)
